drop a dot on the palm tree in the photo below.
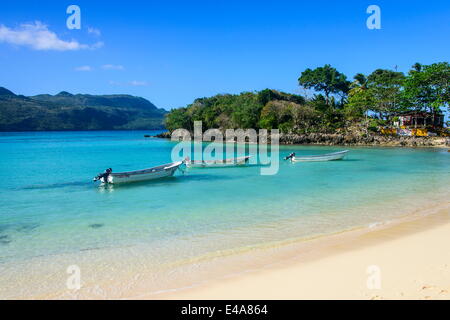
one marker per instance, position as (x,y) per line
(417,67)
(360,85)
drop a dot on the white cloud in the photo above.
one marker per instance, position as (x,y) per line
(38,37)
(138,83)
(113,67)
(83,68)
(94,31)
(134,83)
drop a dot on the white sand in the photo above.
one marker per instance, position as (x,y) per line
(410,260)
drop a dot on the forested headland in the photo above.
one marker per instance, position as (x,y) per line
(332,103)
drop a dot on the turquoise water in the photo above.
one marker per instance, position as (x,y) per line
(50,206)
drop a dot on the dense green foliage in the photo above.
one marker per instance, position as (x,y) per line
(265,109)
(370,100)
(325,79)
(338,104)
(387,93)
(428,87)
(65,111)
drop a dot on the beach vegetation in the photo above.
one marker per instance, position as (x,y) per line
(368,101)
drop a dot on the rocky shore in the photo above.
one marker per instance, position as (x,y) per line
(364,140)
(355,140)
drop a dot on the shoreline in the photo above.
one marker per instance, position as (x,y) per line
(216,276)
(322,139)
(129,271)
(406,250)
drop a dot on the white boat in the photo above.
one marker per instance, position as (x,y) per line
(232,162)
(321,157)
(162,171)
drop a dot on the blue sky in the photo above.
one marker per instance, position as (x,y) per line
(172,52)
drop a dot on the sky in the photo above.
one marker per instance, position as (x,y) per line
(172,52)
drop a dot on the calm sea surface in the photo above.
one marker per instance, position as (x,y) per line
(50,208)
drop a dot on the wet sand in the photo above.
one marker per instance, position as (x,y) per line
(404,260)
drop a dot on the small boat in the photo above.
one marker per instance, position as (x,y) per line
(232,162)
(321,157)
(162,171)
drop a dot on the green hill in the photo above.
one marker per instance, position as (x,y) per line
(66,111)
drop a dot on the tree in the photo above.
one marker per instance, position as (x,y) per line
(438,76)
(231,111)
(275,114)
(267,95)
(381,95)
(177,119)
(417,67)
(428,88)
(325,79)
(305,118)
(386,85)
(245,110)
(360,98)
(359,83)
(330,117)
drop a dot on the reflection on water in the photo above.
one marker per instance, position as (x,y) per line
(55,185)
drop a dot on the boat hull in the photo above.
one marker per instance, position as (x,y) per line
(219,163)
(325,157)
(143,175)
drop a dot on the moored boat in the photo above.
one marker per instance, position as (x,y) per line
(162,171)
(231,162)
(321,157)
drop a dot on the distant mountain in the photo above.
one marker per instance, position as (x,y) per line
(66,111)
(6,92)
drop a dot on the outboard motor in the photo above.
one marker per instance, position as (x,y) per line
(103,176)
(292,155)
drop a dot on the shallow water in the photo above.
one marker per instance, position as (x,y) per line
(50,208)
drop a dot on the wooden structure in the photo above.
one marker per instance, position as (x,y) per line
(420,119)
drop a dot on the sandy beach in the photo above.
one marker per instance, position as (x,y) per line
(407,260)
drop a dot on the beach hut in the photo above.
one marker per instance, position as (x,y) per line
(420,119)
